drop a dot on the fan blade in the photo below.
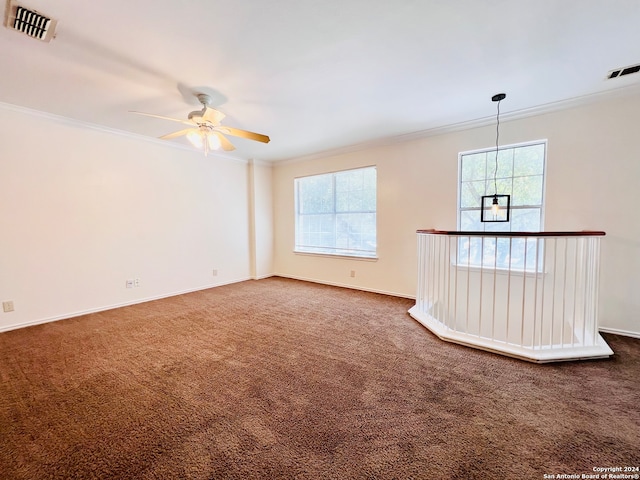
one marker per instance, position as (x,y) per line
(179,133)
(186,122)
(214,116)
(236,132)
(226,144)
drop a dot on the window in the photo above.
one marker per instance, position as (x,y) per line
(519,172)
(336,213)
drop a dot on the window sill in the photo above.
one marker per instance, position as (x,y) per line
(498,271)
(335,255)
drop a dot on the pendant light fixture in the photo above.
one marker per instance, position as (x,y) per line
(496,208)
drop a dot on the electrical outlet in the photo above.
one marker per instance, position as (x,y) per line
(353,273)
(7,306)
(129,283)
(215,272)
(136,282)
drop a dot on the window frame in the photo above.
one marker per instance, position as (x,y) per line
(489,228)
(541,207)
(340,252)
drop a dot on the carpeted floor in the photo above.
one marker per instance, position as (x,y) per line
(285,379)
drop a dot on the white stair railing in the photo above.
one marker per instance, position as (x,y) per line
(529,295)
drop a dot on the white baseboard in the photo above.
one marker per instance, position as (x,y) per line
(262,277)
(103,308)
(344,285)
(616,331)
(7,328)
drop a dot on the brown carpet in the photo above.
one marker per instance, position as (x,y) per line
(285,379)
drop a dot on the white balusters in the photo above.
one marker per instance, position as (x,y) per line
(538,303)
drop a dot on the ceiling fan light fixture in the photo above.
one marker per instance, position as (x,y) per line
(204,138)
(205,132)
(213,141)
(195,138)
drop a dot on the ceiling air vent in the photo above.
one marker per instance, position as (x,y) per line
(619,72)
(29,21)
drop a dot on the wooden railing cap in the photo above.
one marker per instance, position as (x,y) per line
(581,233)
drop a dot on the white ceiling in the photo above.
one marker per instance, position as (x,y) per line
(313,75)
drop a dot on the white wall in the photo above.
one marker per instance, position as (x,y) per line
(83,210)
(261,219)
(593,173)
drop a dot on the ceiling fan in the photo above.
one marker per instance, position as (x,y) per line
(205,129)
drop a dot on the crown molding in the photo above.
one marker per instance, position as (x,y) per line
(566,104)
(60,119)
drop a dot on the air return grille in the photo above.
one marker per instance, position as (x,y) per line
(29,22)
(619,72)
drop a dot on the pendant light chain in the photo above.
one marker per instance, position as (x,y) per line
(495,171)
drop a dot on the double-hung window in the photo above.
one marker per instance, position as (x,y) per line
(336,213)
(516,170)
